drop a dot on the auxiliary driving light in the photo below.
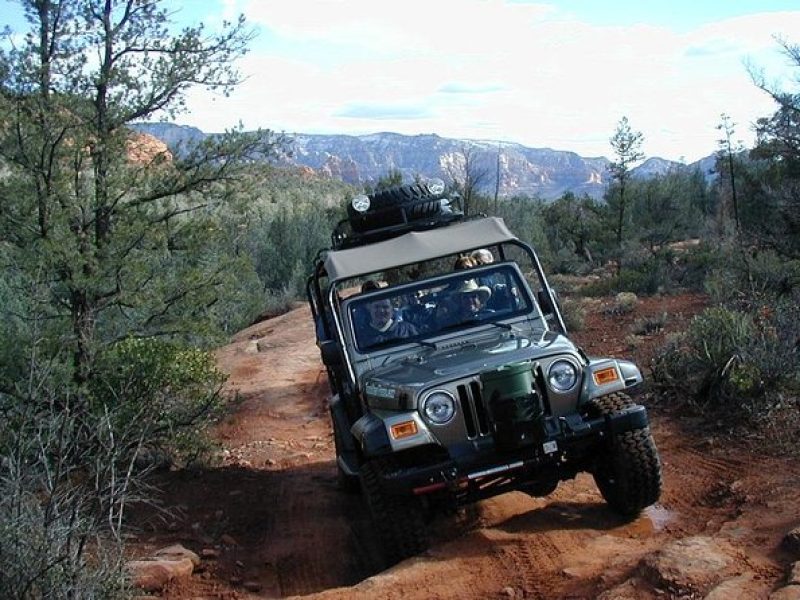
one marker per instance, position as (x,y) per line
(436,186)
(360,203)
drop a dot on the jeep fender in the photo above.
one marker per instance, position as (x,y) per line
(373,432)
(604,376)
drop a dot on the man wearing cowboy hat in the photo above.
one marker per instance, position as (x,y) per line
(472,299)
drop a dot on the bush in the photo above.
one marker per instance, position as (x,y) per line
(166,392)
(649,278)
(41,547)
(722,286)
(70,461)
(649,325)
(574,314)
(624,303)
(65,477)
(734,358)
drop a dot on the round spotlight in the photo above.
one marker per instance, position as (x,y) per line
(436,186)
(360,203)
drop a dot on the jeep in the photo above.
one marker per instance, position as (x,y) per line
(452,386)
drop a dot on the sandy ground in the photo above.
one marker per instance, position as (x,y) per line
(273,524)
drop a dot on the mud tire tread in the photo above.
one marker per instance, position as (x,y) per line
(397,519)
(629,475)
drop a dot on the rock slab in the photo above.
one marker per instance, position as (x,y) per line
(689,566)
(171,563)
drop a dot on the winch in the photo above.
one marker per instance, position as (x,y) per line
(514,405)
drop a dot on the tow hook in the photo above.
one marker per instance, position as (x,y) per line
(450,477)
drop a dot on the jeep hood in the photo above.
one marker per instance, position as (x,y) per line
(461,358)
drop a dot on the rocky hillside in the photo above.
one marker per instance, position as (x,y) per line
(522,170)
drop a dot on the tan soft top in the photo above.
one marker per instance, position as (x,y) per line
(417,246)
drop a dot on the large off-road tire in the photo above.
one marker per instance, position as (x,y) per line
(398,519)
(628,472)
(381,203)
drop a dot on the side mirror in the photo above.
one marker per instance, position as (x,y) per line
(331,355)
(544,301)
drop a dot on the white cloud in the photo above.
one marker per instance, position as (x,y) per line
(489,69)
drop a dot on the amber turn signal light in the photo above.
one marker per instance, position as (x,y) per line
(404,430)
(606,376)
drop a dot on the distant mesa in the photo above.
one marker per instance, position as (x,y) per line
(541,172)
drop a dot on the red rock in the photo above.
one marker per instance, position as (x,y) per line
(153,575)
(177,552)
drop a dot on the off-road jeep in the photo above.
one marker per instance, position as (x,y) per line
(480,391)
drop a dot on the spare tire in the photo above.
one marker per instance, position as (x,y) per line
(387,206)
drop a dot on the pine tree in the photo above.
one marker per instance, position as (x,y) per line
(119,230)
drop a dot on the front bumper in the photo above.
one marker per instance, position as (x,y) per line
(566,442)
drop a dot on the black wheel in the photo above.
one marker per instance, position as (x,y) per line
(628,474)
(382,203)
(397,519)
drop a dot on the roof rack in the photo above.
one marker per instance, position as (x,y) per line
(399,220)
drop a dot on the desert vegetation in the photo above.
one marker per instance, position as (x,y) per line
(121,270)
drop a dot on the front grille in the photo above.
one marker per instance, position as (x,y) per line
(476,418)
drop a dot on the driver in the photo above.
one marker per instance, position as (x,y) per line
(383,326)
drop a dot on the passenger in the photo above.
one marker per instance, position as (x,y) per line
(464,262)
(446,313)
(482,257)
(383,326)
(371,284)
(415,312)
(492,280)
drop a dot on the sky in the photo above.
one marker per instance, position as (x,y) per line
(546,74)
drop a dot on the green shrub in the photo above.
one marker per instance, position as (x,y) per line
(625,302)
(695,266)
(770,275)
(722,285)
(574,314)
(734,358)
(41,549)
(648,278)
(699,362)
(167,392)
(649,325)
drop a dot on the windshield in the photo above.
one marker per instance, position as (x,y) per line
(414,312)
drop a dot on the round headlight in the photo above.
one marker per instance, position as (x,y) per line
(360,203)
(439,407)
(562,376)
